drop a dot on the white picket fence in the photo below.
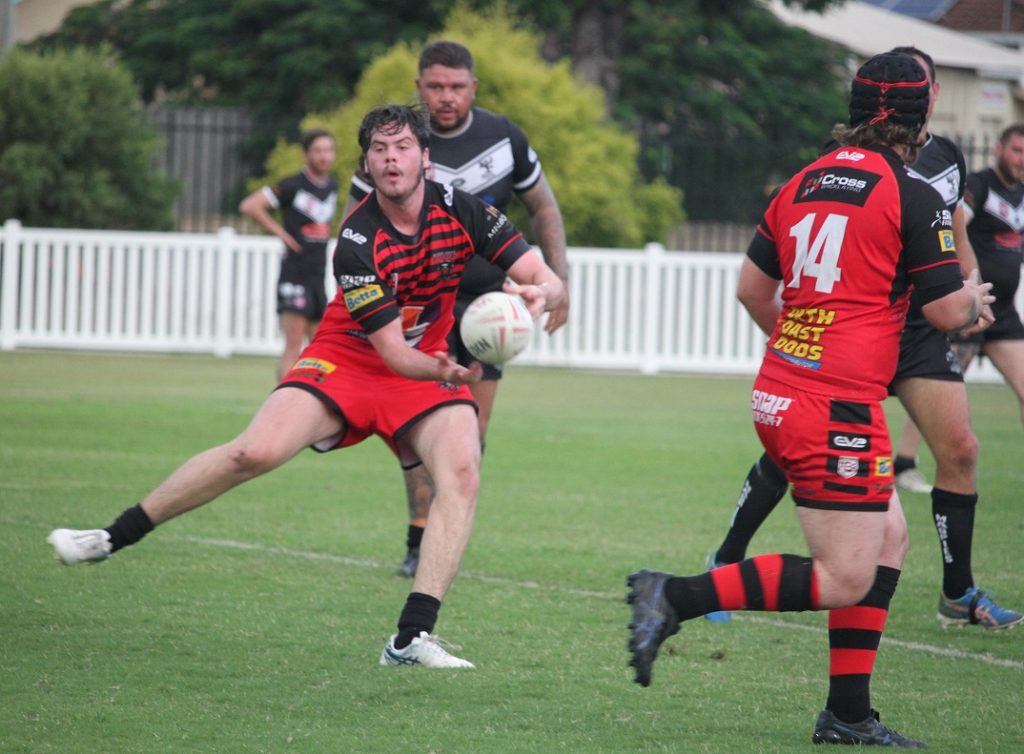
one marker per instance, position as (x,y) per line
(647,310)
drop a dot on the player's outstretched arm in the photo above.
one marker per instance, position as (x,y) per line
(407,361)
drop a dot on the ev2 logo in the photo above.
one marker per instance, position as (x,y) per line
(818,259)
(350,234)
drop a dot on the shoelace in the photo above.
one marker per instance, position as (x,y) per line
(443,644)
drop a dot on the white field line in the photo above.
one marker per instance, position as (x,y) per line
(231,544)
(915,646)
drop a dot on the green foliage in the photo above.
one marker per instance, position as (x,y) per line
(590,162)
(75,147)
(281,59)
(757,100)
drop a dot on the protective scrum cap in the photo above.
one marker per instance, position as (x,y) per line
(891,86)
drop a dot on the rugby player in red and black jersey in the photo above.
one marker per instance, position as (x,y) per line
(929,383)
(378,365)
(846,237)
(307,201)
(489,156)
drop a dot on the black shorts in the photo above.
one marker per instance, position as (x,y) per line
(925,352)
(302,292)
(458,349)
(1007,326)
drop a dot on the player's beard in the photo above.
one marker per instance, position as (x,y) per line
(445,130)
(1007,174)
(399,196)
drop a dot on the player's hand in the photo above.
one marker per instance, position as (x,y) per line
(291,243)
(985,320)
(558,316)
(535,296)
(455,373)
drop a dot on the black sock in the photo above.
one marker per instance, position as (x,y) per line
(902,463)
(414,537)
(129,528)
(764,487)
(953,515)
(419,614)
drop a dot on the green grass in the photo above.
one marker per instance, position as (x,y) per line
(254,624)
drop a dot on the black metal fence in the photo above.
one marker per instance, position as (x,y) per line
(203,150)
(726,185)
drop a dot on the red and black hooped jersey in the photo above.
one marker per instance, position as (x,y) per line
(491,159)
(384,275)
(847,236)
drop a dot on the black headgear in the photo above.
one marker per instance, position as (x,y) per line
(891,86)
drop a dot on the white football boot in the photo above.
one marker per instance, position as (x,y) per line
(424,650)
(72,546)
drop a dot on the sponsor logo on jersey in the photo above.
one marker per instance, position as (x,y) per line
(347,282)
(846,441)
(353,236)
(799,336)
(846,154)
(767,407)
(883,466)
(360,297)
(847,467)
(836,184)
(316,232)
(943,218)
(317,365)
(499,223)
(946,242)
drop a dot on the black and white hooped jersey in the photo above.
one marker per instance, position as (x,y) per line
(996,230)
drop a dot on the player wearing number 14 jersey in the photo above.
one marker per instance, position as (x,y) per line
(846,237)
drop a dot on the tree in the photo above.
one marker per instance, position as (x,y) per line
(75,147)
(727,99)
(590,162)
(280,58)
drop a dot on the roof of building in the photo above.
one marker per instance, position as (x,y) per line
(866,30)
(926,10)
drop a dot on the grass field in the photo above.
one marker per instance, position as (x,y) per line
(254,624)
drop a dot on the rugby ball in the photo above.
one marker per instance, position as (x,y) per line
(496,327)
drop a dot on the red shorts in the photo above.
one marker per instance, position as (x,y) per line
(836,454)
(369,398)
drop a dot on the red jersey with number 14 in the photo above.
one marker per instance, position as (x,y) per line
(848,236)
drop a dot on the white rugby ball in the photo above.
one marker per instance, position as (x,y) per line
(496,327)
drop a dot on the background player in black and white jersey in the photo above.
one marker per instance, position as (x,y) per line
(929,384)
(994,202)
(307,202)
(489,156)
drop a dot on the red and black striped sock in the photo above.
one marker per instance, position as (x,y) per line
(853,637)
(775,583)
